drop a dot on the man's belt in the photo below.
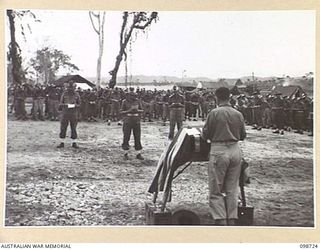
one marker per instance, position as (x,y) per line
(131,115)
(223,142)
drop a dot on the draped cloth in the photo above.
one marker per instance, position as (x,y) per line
(186,146)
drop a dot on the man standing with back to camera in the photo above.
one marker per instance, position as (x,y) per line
(224,127)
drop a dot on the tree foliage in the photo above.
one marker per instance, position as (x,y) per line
(131,21)
(49,61)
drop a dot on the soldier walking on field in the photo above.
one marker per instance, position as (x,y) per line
(69,103)
(176,105)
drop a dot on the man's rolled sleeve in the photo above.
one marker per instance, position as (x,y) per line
(243,133)
(206,128)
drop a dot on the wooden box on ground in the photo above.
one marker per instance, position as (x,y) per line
(154,216)
(245,216)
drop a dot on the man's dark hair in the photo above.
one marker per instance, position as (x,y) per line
(223,94)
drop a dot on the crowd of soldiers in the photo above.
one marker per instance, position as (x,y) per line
(271,111)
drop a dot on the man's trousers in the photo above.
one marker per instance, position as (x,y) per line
(176,117)
(65,120)
(224,172)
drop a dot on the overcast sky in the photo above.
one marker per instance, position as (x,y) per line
(210,44)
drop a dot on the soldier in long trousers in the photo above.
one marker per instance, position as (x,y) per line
(19,103)
(53,99)
(277,114)
(194,98)
(69,104)
(131,110)
(266,114)
(176,105)
(115,105)
(298,111)
(165,114)
(257,112)
(224,127)
(38,102)
(92,103)
(107,106)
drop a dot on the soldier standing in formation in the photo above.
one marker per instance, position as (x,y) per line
(257,114)
(166,111)
(277,114)
(38,102)
(54,94)
(19,96)
(115,105)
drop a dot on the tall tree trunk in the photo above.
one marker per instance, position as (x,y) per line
(100,31)
(115,70)
(16,62)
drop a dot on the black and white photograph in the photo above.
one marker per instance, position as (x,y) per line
(160,118)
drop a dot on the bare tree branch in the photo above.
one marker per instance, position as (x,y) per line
(92,22)
(140,20)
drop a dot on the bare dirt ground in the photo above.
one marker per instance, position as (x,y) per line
(94,185)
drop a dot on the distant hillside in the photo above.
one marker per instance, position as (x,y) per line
(262,82)
(150,79)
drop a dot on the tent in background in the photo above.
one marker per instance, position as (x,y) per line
(81,82)
(291,91)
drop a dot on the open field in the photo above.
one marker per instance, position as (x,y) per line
(94,185)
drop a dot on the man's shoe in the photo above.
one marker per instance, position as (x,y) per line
(139,157)
(61,145)
(221,222)
(276,131)
(75,145)
(232,222)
